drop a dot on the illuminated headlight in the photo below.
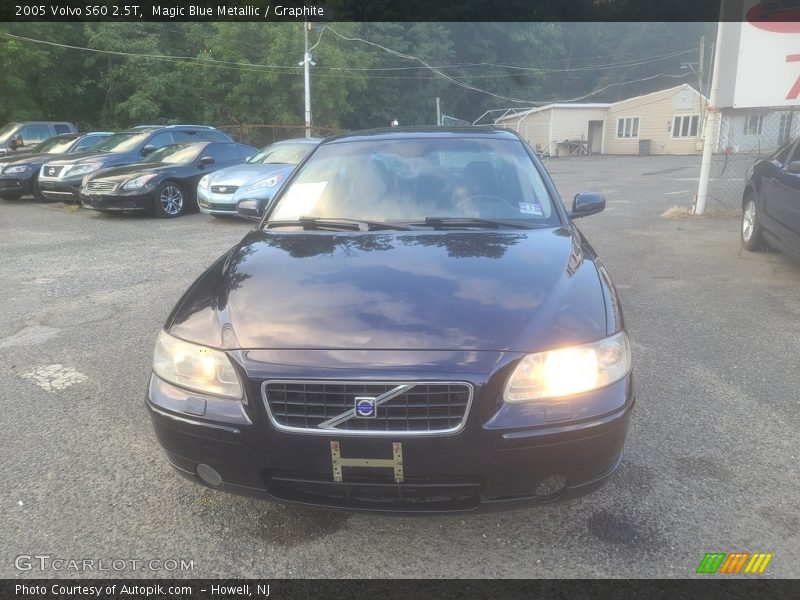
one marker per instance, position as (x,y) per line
(266,183)
(83,168)
(12,170)
(138,182)
(195,367)
(569,371)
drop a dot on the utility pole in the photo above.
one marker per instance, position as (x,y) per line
(713,118)
(307,78)
(700,64)
(438,112)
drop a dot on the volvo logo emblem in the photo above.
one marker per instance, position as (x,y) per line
(365,407)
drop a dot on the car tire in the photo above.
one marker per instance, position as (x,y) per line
(10,196)
(752,238)
(37,192)
(170,200)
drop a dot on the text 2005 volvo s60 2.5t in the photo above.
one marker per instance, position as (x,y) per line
(415,325)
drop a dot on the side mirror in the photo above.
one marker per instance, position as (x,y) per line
(793,167)
(250,208)
(587,203)
(206,160)
(149,149)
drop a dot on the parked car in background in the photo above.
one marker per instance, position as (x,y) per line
(61,179)
(771,202)
(164,183)
(19,175)
(259,178)
(24,136)
(416,326)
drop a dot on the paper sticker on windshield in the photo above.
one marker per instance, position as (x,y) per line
(531,208)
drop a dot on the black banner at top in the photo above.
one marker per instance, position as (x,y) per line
(362,10)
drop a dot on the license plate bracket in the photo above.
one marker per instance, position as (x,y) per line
(395,463)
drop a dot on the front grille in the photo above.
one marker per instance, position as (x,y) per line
(421,408)
(217,206)
(101,186)
(51,171)
(224,189)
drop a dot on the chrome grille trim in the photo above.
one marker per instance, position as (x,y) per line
(333,431)
(101,186)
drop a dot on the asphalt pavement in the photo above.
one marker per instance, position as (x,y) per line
(711,461)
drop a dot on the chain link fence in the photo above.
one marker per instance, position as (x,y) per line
(744,137)
(259,135)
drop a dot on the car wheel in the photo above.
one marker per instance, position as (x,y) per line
(37,192)
(751,229)
(170,200)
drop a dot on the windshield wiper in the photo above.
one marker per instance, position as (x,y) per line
(336,223)
(456,222)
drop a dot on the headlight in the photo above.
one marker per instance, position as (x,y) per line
(137,182)
(195,367)
(83,168)
(571,370)
(266,183)
(10,170)
(204,181)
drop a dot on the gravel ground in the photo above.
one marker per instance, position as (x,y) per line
(711,458)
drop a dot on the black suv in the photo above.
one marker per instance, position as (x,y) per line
(61,179)
(19,174)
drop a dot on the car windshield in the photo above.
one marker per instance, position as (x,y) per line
(286,154)
(409,179)
(6,131)
(121,142)
(176,154)
(56,145)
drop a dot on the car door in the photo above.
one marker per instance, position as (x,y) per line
(784,199)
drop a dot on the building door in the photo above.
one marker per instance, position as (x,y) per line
(595,139)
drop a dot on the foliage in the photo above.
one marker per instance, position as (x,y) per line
(238,72)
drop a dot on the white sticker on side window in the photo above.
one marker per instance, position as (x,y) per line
(531,208)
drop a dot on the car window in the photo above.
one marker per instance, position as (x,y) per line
(62,128)
(88,141)
(224,152)
(7,131)
(33,134)
(121,142)
(199,135)
(55,145)
(288,154)
(176,154)
(413,178)
(795,155)
(161,139)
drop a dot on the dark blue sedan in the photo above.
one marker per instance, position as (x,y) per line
(771,202)
(416,325)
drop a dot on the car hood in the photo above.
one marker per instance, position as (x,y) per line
(5,161)
(507,290)
(129,171)
(87,156)
(245,174)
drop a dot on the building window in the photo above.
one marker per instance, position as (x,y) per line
(753,124)
(685,125)
(628,127)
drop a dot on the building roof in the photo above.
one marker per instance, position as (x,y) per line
(525,113)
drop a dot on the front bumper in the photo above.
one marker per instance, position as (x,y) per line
(16,185)
(501,459)
(137,201)
(65,190)
(212,203)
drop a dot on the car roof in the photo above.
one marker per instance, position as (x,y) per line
(424,132)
